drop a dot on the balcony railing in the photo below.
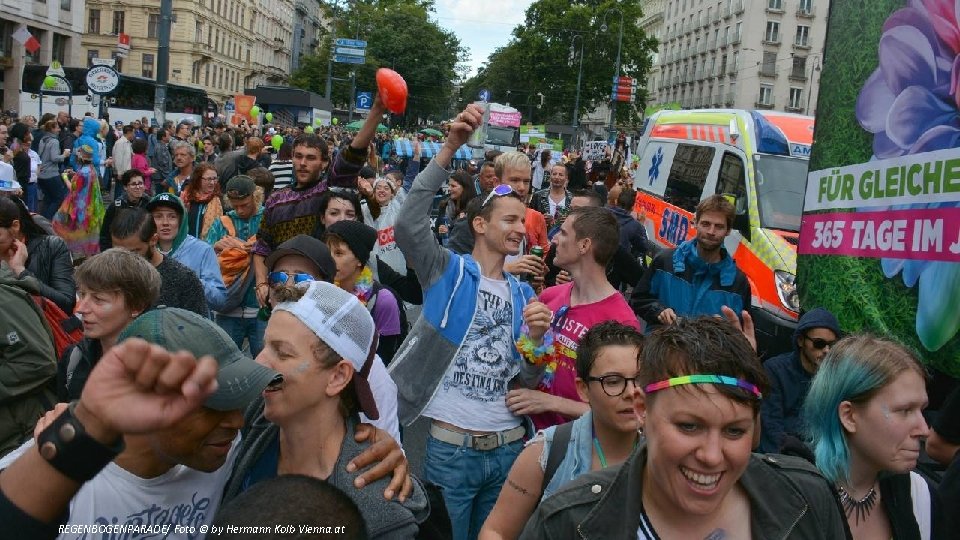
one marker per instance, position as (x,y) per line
(805,12)
(768,71)
(730,99)
(798,75)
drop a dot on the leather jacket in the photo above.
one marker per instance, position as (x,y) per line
(50,262)
(788,500)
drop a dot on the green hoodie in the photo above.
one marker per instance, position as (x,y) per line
(28,362)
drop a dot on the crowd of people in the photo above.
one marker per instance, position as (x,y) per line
(247,359)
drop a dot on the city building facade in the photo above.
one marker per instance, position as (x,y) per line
(748,54)
(221,46)
(56,24)
(652,25)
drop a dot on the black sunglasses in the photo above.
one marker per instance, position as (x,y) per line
(820,343)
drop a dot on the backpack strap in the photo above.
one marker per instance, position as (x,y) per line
(558,450)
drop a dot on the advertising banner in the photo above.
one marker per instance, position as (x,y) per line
(880,238)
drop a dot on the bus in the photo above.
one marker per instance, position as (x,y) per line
(132,100)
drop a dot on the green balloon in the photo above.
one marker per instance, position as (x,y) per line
(269,117)
(49,81)
(318,121)
(255,112)
(308,129)
(335,121)
(276,142)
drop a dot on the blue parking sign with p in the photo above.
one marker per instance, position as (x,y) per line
(364,100)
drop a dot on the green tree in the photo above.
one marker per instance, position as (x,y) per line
(399,35)
(543,58)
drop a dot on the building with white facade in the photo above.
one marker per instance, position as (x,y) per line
(763,54)
(57,24)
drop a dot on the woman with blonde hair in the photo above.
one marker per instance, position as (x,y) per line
(864,414)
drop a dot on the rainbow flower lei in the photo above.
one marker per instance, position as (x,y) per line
(543,355)
(363,287)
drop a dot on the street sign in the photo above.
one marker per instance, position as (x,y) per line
(349,59)
(485,95)
(351,51)
(343,42)
(102,79)
(364,101)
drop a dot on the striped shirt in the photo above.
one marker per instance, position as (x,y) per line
(282,174)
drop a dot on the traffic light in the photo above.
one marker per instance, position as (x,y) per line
(624,89)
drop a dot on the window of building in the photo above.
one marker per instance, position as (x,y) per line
(93,22)
(118,65)
(66,5)
(195,73)
(688,174)
(803,36)
(766,94)
(117,27)
(806,6)
(775,4)
(91,54)
(799,70)
(35,57)
(773,32)
(59,47)
(769,65)
(146,69)
(796,98)
(153,25)
(736,33)
(206,75)
(198,33)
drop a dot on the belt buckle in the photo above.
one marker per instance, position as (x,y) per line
(486,442)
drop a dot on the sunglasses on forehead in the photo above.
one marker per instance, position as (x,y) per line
(501,190)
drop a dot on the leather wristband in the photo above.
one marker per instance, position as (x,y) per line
(67,447)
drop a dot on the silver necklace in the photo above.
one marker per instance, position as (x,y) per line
(860,508)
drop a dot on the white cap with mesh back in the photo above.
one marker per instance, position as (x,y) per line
(344,325)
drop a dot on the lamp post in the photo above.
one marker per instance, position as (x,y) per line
(576,101)
(603,28)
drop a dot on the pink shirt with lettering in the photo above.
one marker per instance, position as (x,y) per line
(568,330)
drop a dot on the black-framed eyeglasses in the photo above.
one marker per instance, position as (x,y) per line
(501,190)
(820,343)
(281,278)
(614,384)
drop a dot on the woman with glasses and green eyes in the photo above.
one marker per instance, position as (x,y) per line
(134,196)
(608,362)
(201,198)
(698,395)
(790,375)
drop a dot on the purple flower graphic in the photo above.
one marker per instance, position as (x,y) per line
(910,104)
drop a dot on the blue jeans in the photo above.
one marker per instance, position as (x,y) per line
(30,193)
(239,327)
(54,192)
(470,479)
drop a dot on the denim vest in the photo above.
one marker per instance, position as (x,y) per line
(579,454)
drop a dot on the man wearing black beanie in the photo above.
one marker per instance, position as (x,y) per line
(790,374)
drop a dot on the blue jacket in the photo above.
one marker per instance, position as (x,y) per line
(633,237)
(451,284)
(679,279)
(199,256)
(91,128)
(781,412)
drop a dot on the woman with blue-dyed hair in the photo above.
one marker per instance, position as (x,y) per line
(864,413)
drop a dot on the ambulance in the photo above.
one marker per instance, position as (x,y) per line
(758,159)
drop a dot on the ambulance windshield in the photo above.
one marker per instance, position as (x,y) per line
(781,182)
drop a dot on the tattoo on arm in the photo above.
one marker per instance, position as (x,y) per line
(517,487)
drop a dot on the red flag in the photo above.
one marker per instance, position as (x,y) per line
(25,38)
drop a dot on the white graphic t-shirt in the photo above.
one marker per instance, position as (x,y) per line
(181,496)
(472,394)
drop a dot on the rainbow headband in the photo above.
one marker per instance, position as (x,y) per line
(704,379)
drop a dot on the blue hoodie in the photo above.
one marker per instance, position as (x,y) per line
(91,128)
(198,256)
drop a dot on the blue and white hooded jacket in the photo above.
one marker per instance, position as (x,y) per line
(451,285)
(679,279)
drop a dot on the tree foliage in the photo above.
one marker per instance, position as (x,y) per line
(544,56)
(399,35)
